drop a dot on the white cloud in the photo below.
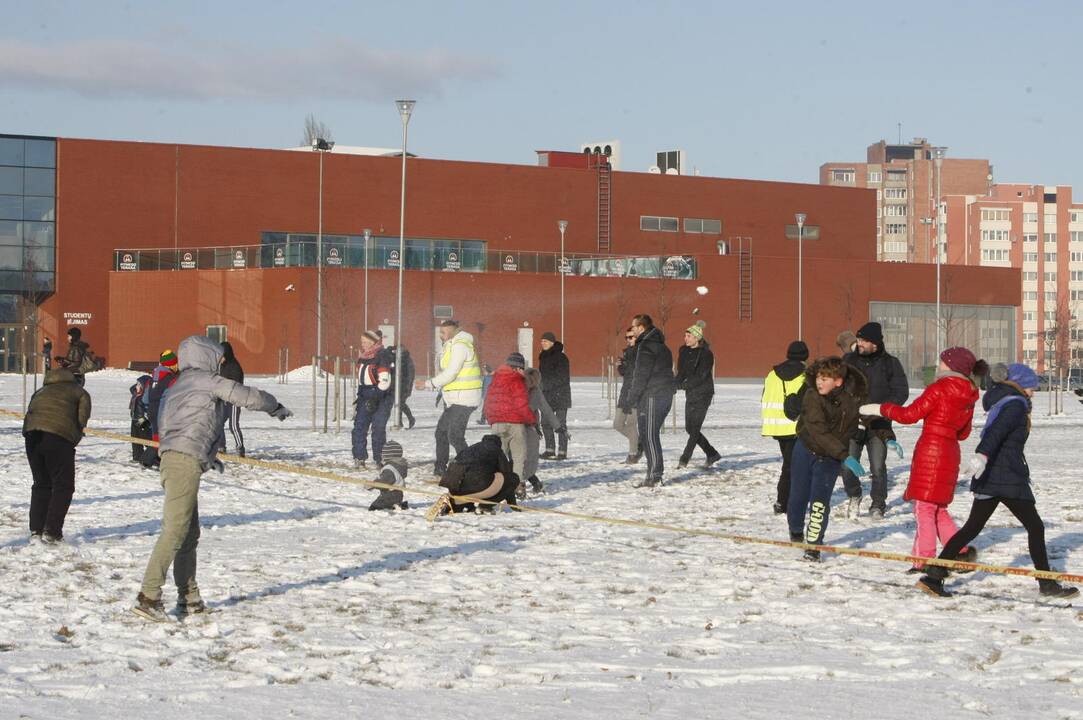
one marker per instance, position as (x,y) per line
(125,69)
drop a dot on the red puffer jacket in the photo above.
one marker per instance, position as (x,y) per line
(947,406)
(507,400)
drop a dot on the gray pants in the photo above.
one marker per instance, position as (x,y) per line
(179,537)
(513,440)
(877,450)
(626,424)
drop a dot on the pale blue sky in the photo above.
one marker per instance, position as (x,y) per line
(764,90)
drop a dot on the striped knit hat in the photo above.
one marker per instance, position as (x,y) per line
(168,358)
(392,450)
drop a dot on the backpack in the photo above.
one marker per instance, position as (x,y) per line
(89,364)
(791,405)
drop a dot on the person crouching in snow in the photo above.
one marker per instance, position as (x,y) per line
(947,408)
(481,471)
(1001,476)
(392,472)
(829,417)
(189,426)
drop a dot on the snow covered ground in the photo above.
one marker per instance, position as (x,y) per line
(323,609)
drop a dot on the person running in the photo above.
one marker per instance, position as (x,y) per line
(55,420)
(624,419)
(1000,475)
(695,375)
(375,398)
(557,386)
(232,370)
(785,379)
(651,393)
(459,386)
(190,424)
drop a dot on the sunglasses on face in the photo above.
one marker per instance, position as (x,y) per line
(629,337)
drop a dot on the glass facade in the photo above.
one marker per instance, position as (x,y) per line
(910,333)
(27,219)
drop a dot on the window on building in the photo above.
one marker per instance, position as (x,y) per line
(1077,294)
(895,193)
(1077,276)
(896,176)
(895,229)
(1031,217)
(1028,316)
(1030,295)
(655,223)
(699,225)
(1075,236)
(1030,276)
(874,176)
(1050,276)
(808,232)
(1050,219)
(1075,217)
(1030,257)
(1030,355)
(1031,238)
(1049,198)
(995,236)
(1030,336)
(895,210)
(1050,257)
(217,333)
(997,255)
(27,215)
(895,247)
(996,215)
(1051,296)
(844,176)
(1049,238)
(1075,257)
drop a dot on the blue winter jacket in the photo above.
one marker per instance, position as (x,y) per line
(1007,474)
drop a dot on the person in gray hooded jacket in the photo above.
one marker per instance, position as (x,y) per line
(190,426)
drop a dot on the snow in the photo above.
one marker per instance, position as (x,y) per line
(321,606)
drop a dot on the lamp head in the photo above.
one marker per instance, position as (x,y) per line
(562,224)
(800,217)
(367,232)
(406,109)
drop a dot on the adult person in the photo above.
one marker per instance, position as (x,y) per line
(190,424)
(543,414)
(232,370)
(53,426)
(695,375)
(459,385)
(406,386)
(887,384)
(47,354)
(624,419)
(786,378)
(375,398)
(76,357)
(651,393)
(557,387)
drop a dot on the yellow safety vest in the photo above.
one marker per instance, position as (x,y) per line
(775,422)
(469,377)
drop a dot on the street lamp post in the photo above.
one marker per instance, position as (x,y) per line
(321,146)
(939,159)
(563,225)
(406,109)
(928,222)
(368,237)
(800,217)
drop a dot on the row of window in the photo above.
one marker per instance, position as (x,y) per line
(995,236)
(895,229)
(995,214)
(27,152)
(655,223)
(1033,257)
(27,181)
(994,255)
(1050,296)
(29,207)
(895,210)
(895,193)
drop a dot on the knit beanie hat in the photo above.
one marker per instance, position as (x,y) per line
(696,331)
(391,451)
(872,332)
(959,359)
(75,333)
(846,340)
(371,335)
(797,350)
(1022,376)
(516,360)
(168,358)
(549,336)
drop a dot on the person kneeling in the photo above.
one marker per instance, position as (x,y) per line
(392,472)
(481,472)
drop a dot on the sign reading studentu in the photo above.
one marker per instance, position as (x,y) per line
(452,262)
(188,261)
(127,262)
(239,259)
(510,264)
(78,318)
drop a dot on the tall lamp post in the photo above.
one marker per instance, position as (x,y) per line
(367,232)
(406,109)
(800,217)
(928,222)
(563,225)
(321,146)
(938,155)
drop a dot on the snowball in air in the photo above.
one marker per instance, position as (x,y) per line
(702,289)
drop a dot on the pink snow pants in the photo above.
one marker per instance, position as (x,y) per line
(934,523)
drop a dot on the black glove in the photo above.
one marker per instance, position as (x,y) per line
(371,404)
(218,465)
(564,431)
(142,423)
(281,412)
(537,429)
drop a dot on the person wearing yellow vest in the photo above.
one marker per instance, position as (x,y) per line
(459,384)
(786,378)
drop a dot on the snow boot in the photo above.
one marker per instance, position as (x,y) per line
(932,585)
(968,555)
(712,459)
(797,537)
(682,463)
(358,464)
(853,508)
(150,609)
(1053,589)
(387,500)
(195,607)
(811,556)
(548,455)
(647,481)
(535,483)
(779,508)
(633,458)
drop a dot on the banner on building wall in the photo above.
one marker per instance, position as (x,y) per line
(681,267)
(239,259)
(78,318)
(510,264)
(334,257)
(393,259)
(188,261)
(127,262)
(452,262)
(280,257)
(564,265)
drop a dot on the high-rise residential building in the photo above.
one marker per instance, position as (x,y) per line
(905,177)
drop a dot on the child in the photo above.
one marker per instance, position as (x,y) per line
(392,472)
(139,409)
(1001,476)
(947,407)
(829,416)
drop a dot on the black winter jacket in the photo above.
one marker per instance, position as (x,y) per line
(232,370)
(1007,474)
(473,469)
(556,377)
(626,368)
(828,422)
(695,372)
(653,373)
(789,370)
(886,381)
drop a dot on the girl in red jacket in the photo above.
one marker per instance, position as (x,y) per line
(947,408)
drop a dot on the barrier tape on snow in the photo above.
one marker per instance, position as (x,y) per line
(308,471)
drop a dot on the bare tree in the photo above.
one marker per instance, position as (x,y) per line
(847,302)
(315,129)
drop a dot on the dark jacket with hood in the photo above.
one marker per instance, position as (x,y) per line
(886,381)
(231,369)
(556,377)
(60,407)
(695,372)
(1006,474)
(653,372)
(828,421)
(626,368)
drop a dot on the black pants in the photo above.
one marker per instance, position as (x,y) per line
(139,430)
(562,438)
(451,432)
(980,512)
(785,446)
(651,414)
(406,412)
(694,413)
(52,463)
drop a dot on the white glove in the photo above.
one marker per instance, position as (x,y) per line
(975,466)
(870,409)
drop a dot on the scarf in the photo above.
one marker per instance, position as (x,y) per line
(371,352)
(991,416)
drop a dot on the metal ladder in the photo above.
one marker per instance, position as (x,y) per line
(744,283)
(605,181)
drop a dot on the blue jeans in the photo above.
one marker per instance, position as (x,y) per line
(375,419)
(877,449)
(812,479)
(651,413)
